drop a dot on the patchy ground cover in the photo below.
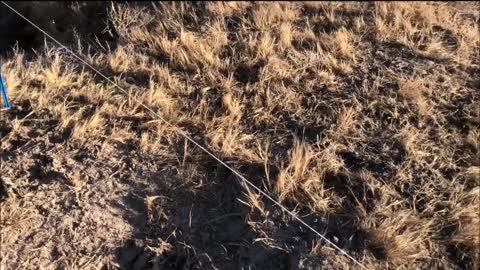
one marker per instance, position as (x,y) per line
(362,117)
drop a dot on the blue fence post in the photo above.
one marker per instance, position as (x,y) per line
(3,89)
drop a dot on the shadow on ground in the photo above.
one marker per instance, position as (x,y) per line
(203,224)
(63,20)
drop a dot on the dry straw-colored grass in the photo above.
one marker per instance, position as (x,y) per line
(362,117)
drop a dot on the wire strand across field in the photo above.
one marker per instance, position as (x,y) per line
(359,119)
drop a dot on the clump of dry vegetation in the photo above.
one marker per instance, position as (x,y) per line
(361,117)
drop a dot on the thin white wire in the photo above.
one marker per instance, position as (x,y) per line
(181,132)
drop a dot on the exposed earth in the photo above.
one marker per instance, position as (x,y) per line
(363,118)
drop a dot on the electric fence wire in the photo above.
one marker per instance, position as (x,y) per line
(186,136)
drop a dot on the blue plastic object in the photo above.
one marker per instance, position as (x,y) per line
(3,89)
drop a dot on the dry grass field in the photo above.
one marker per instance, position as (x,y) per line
(363,118)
